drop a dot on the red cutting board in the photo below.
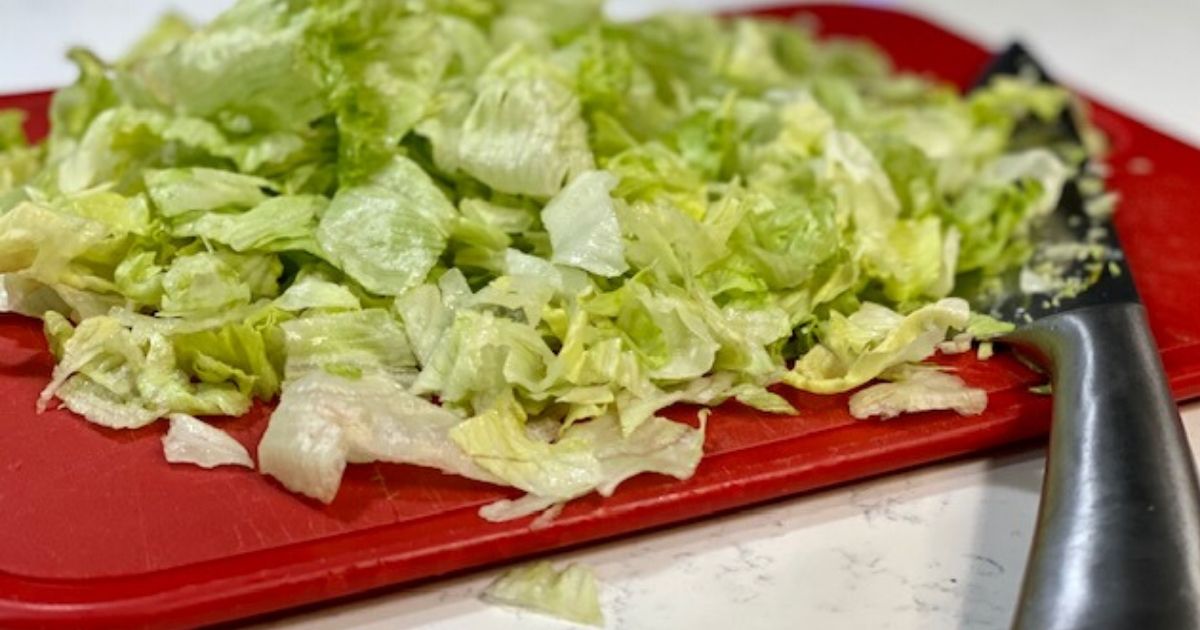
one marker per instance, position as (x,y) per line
(98,531)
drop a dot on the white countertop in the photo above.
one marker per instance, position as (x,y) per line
(941,547)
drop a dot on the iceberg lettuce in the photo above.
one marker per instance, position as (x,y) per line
(498,238)
(192,441)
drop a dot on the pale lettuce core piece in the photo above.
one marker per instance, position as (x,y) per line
(498,238)
(915,390)
(192,441)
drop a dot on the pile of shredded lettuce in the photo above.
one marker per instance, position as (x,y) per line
(496,238)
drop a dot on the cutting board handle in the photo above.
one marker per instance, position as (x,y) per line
(1117,543)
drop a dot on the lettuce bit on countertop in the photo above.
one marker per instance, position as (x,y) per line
(497,238)
(570,593)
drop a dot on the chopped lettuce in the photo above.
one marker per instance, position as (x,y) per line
(599,456)
(192,441)
(497,439)
(273,225)
(498,238)
(521,135)
(917,389)
(583,227)
(18,161)
(981,326)
(126,377)
(351,342)
(326,420)
(570,593)
(312,291)
(387,233)
(858,348)
(176,192)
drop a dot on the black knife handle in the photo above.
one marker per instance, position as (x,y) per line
(1117,543)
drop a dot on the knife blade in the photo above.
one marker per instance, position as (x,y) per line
(1117,541)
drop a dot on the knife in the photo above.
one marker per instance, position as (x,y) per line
(1117,542)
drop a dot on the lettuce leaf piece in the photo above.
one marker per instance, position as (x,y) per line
(100,405)
(325,420)
(917,389)
(583,226)
(387,65)
(179,191)
(277,224)
(784,242)
(94,338)
(167,32)
(526,295)
(569,594)
(1039,165)
(510,220)
(915,261)
(523,136)
(498,441)
(980,326)
(314,291)
(192,441)
(26,296)
(202,283)
(118,213)
(480,357)
(251,69)
(54,260)
(567,281)
(247,353)
(426,318)
(996,214)
(654,174)
(118,143)
(12,129)
(388,233)
(657,445)
(125,378)
(863,194)
(637,406)
(760,398)
(41,243)
(860,347)
(18,161)
(73,108)
(350,343)
(670,333)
